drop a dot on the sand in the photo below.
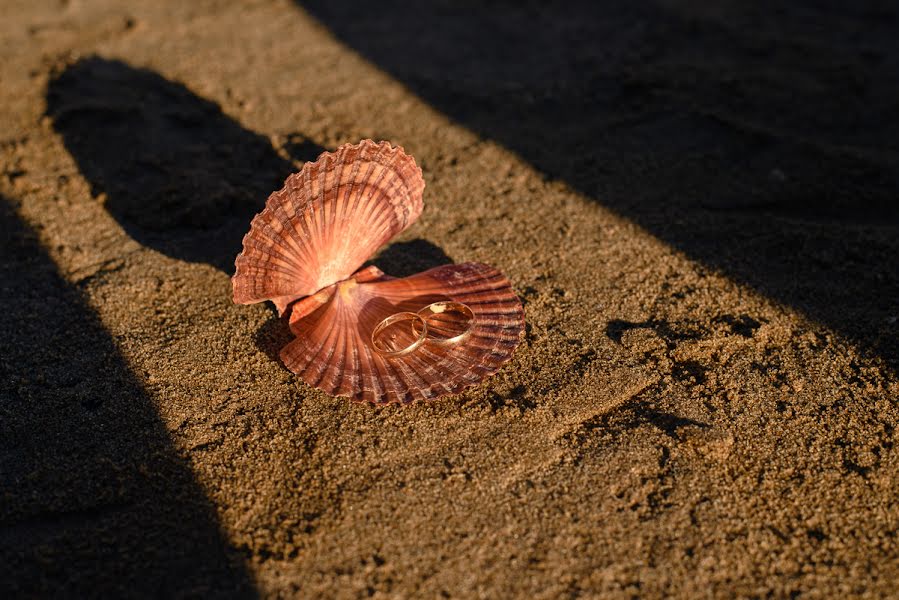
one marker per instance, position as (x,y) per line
(697,203)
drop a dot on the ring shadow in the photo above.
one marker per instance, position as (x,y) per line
(756,138)
(96,500)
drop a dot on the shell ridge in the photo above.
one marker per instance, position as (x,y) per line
(344,192)
(399,201)
(347,339)
(387,375)
(404,375)
(298,203)
(373,390)
(351,351)
(388,175)
(398,381)
(318,365)
(360,201)
(271,253)
(278,207)
(315,206)
(294,354)
(258,226)
(274,267)
(378,377)
(299,255)
(373,188)
(331,369)
(334,376)
(432,377)
(366,383)
(396,199)
(310,355)
(407,363)
(330,198)
(415,191)
(293,236)
(307,215)
(242,258)
(353,183)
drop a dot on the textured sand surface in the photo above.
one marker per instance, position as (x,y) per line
(698,204)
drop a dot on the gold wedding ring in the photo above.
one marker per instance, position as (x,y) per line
(439,308)
(421,336)
(396,318)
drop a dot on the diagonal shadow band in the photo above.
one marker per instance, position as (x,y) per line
(178,174)
(757,138)
(96,501)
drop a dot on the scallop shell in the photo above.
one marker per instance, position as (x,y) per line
(326,221)
(303,251)
(333,351)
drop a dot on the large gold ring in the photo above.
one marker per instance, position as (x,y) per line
(394,318)
(437,308)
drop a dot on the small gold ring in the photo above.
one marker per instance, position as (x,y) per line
(437,308)
(400,316)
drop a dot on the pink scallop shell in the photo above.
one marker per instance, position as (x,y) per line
(326,221)
(303,251)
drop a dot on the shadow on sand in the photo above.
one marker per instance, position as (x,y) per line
(178,174)
(95,500)
(757,138)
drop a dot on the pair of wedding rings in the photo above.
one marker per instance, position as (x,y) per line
(419,328)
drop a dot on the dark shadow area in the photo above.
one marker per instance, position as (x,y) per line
(402,259)
(300,149)
(760,139)
(671,334)
(668,423)
(96,502)
(274,335)
(179,175)
(637,413)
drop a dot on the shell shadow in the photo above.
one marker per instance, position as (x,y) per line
(402,259)
(178,174)
(273,335)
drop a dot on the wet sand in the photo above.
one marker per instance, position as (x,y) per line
(697,204)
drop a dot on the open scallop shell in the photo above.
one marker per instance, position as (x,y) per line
(333,350)
(326,221)
(303,251)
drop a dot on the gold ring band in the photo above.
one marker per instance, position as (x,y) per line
(400,316)
(437,308)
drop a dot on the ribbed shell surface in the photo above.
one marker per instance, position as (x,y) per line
(333,350)
(326,221)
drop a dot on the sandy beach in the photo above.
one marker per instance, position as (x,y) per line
(697,203)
